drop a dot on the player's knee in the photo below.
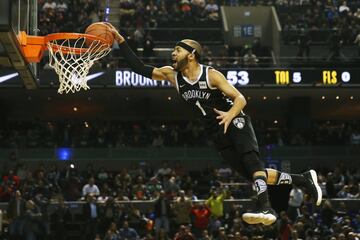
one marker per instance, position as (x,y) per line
(272,175)
(260,174)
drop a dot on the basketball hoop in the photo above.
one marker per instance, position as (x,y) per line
(71,55)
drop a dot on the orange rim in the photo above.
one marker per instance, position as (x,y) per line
(63,36)
(33,47)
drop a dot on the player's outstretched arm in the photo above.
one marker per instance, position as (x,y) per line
(218,80)
(163,73)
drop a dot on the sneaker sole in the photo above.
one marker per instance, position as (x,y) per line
(253,218)
(269,219)
(318,189)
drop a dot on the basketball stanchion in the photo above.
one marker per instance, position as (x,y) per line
(71,54)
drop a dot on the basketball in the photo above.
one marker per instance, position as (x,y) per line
(101,30)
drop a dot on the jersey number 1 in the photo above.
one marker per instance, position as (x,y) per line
(200,107)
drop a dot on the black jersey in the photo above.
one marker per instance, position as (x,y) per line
(204,98)
(201,95)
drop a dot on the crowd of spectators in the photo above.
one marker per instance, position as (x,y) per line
(321,16)
(67,16)
(175,212)
(160,13)
(145,23)
(118,134)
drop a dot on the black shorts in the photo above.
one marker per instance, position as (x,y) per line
(240,135)
(239,146)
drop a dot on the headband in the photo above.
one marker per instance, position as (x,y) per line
(189,49)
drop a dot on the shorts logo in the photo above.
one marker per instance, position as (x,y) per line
(239,122)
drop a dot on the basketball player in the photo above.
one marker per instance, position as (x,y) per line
(221,107)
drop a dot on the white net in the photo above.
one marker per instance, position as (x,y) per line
(72,60)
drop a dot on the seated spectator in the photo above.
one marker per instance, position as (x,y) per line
(61,6)
(184,233)
(344,10)
(345,193)
(153,186)
(49,4)
(250,59)
(222,234)
(357,14)
(212,10)
(127,11)
(198,7)
(102,175)
(163,13)
(127,232)
(112,233)
(139,189)
(151,10)
(91,188)
(164,170)
(205,235)
(185,8)
(170,187)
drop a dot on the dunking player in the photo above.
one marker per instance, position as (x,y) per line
(221,106)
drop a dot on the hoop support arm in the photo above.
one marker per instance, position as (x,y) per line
(33,47)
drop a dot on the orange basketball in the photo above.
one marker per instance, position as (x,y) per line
(101,30)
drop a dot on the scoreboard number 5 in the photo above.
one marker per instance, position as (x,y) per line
(296,77)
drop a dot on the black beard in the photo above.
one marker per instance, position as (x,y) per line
(181,64)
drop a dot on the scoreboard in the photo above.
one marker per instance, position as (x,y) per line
(238,77)
(264,77)
(294,77)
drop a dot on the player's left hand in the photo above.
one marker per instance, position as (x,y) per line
(225,118)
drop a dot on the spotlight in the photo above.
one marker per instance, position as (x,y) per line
(64,154)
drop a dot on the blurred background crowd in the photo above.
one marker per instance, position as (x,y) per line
(117,134)
(183,204)
(158,23)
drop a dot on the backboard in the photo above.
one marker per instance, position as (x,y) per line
(16,16)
